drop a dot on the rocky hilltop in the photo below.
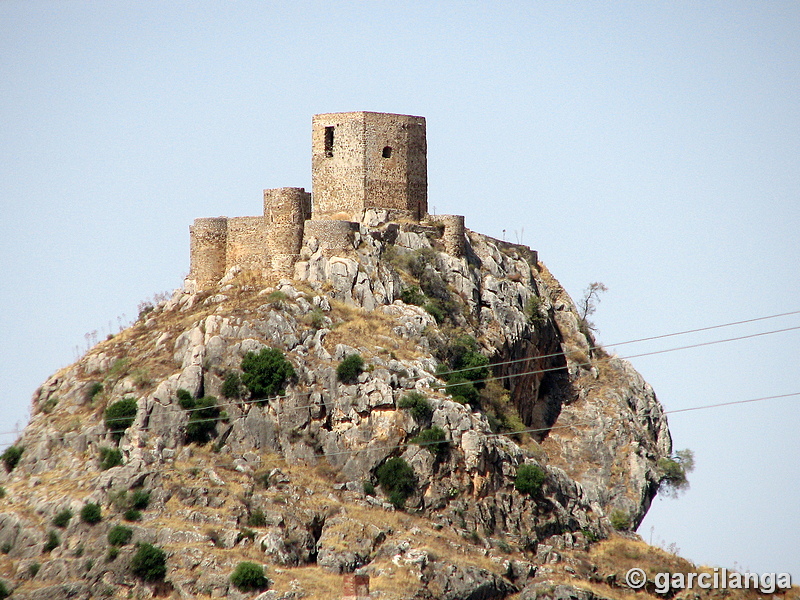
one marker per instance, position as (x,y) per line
(480,448)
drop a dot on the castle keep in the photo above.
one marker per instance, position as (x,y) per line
(363,165)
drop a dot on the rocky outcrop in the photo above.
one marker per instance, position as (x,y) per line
(288,480)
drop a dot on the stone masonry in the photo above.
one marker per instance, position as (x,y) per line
(361,162)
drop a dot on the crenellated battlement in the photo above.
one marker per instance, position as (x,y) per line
(363,164)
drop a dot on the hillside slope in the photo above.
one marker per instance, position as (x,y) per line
(297,479)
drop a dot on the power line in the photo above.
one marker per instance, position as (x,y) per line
(508,376)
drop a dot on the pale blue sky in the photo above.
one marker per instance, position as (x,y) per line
(653,146)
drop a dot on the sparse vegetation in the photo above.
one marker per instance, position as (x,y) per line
(4,593)
(620,520)
(53,541)
(397,479)
(62,518)
(149,563)
(257,519)
(132,515)
(33,569)
(412,295)
(110,457)
(91,513)
(417,405)
(2,492)
(350,368)
(94,388)
(249,577)
(529,480)
(119,535)
(266,374)
(119,416)
(11,457)
(534,310)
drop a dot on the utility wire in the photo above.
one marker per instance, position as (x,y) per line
(455,384)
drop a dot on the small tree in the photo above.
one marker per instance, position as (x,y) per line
(185,399)
(588,304)
(119,416)
(265,374)
(529,480)
(674,470)
(249,577)
(149,563)
(397,479)
(620,520)
(350,368)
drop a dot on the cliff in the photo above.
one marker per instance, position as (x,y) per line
(295,479)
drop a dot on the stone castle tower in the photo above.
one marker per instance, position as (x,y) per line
(364,164)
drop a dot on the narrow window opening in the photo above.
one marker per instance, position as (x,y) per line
(329,141)
(387,152)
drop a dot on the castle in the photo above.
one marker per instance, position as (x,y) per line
(366,166)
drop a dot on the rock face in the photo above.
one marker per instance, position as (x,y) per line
(292,481)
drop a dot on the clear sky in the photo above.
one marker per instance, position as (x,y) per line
(652,146)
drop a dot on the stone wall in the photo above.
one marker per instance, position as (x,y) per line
(334,237)
(285,212)
(208,242)
(248,244)
(369,160)
(453,236)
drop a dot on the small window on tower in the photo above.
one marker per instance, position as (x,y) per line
(329,141)
(387,152)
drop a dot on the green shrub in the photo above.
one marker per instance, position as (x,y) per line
(529,480)
(52,542)
(397,479)
(265,374)
(245,533)
(119,416)
(6,547)
(4,593)
(202,423)
(434,440)
(674,472)
(417,404)
(110,457)
(619,520)
(350,368)
(435,309)
(2,492)
(33,569)
(462,390)
(534,310)
(412,295)
(62,519)
(369,488)
(257,519)
(94,388)
(91,513)
(132,515)
(232,386)
(119,535)
(112,554)
(140,499)
(249,577)
(11,457)
(149,563)
(185,399)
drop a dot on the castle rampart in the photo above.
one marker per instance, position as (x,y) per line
(364,165)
